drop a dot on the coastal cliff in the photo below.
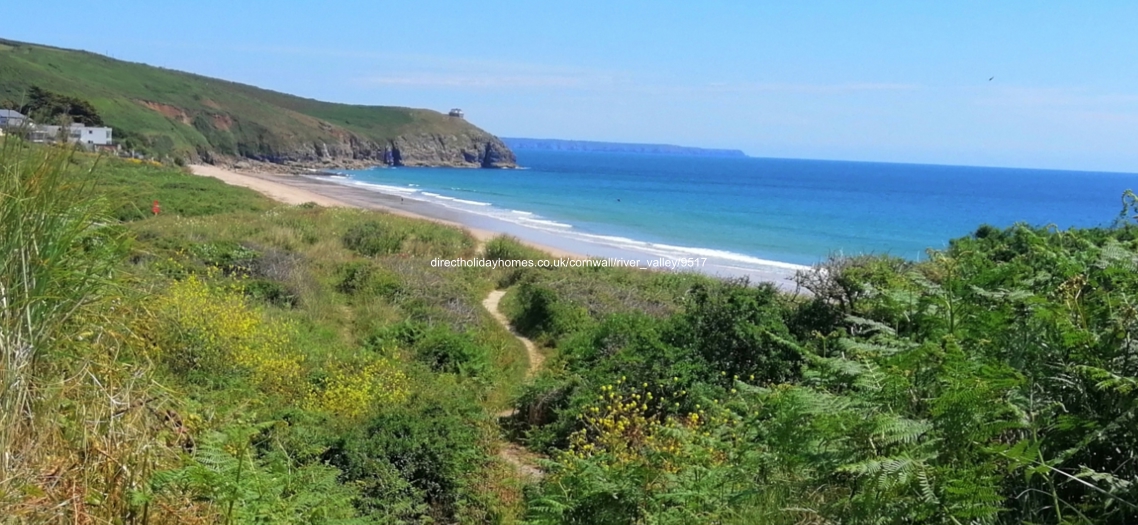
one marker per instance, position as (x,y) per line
(470,149)
(475,150)
(179,116)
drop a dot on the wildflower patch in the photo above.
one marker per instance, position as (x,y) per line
(215,329)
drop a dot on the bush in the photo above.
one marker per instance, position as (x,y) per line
(739,330)
(536,311)
(351,390)
(507,248)
(206,330)
(373,238)
(365,278)
(271,292)
(413,463)
(447,351)
(230,257)
(405,334)
(246,488)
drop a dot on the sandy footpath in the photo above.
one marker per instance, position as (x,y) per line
(292,189)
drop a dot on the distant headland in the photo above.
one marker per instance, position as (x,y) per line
(523,144)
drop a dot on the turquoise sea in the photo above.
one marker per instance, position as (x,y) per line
(744,211)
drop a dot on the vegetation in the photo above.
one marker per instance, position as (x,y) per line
(172,114)
(993,383)
(46,106)
(237,361)
(231,360)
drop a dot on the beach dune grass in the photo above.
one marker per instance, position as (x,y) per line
(350,305)
(897,391)
(70,380)
(126,281)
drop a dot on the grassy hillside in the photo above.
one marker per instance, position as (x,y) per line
(262,363)
(174,113)
(234,360)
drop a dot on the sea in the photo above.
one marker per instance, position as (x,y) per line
(753,213)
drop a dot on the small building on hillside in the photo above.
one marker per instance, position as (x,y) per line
(456,113)
(76,133)
(10,118)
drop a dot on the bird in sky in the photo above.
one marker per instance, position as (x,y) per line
(990,79)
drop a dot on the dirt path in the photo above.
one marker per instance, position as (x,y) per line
(523,461)
(535,357)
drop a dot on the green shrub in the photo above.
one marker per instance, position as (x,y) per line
(413,464)
(505,247)
(365,278)
(373,238)
(536,310)
(544,416)
(229,256)
(405,333)
(447,351)
(739,330)
(626,348)
(247,487)
(271,292)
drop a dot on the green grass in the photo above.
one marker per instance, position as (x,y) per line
(259,348)
(345,306)
(234,360)
(132,190)
(200,114)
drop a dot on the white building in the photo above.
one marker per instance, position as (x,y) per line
(77,133)
(10,118)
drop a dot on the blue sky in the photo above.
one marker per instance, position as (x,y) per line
(881,81)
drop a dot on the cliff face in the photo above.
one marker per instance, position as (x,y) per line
(463,150)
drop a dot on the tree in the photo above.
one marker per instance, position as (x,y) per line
(46,106)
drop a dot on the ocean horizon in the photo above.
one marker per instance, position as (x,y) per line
(749,213)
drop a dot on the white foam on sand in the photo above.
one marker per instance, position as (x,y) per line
(544,222)
(382,188)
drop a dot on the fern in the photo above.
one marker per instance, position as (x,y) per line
(245,489)
(1109,381)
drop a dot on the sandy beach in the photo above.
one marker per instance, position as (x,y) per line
(325,191)
(294,189)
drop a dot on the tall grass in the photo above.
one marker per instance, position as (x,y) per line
(46,273)
(78,427)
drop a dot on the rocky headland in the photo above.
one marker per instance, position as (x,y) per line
(187,118)
(470,149)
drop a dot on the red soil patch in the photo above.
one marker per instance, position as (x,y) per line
(169,111)
(222,122)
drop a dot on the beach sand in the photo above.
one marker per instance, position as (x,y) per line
(299,189)
(294,189)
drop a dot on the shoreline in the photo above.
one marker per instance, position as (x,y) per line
(292,189)
(324,191)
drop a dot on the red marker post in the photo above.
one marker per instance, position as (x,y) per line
(155,208)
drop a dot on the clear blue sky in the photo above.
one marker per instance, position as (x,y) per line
(886,81)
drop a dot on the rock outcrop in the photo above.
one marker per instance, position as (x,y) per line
(464,150)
